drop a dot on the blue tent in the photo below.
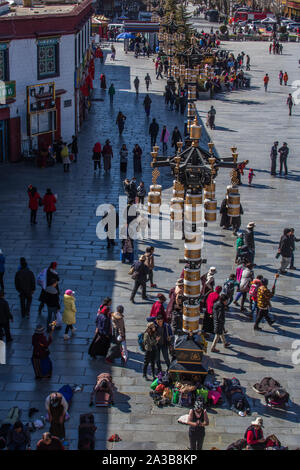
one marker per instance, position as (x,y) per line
(125,36)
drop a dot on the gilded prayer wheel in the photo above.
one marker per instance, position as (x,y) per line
(232,190)
(156,188)
(210,191)
(194,237)
(176,208)
(177,192)
(154,197)
(191,274)
(191,112)
(190,318)
(210,210)
(191,288)
(233,205)
(193,199)
(193,213)
(192,93)
(153,208)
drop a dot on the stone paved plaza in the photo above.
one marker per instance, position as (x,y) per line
(251,119)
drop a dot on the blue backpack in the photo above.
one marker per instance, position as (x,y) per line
(141,341)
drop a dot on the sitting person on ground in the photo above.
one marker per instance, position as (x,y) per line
(254,435)
(49,442)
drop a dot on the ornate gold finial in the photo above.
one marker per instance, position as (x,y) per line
(178,186)
(210,146)
(154,157)
(179,147)
(235,157)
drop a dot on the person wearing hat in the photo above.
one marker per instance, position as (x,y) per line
(273,156)
(150,344)
(69,315)
(158,307)
(141,271)
(41,362)
(150,263)
(208,284)
(197,421)
(177,316)
(25,285)
(107,153)
(254,435)
(264,296)
(249,240)
(219,322)
(2,269)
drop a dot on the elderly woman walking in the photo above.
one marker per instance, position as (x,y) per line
(41,361)
(101,340)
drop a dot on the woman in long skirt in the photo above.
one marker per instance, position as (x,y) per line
(102,338)
(41,361)
(107,155)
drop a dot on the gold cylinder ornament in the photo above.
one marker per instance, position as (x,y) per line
(210,210)
(153,208)
(191,275)
(232,189)
(154,197)
(176,208)
(195,131)
(193,213)
(156,188)
(193,199)
(233,205)
(191,288)
(191,311)
(210,191)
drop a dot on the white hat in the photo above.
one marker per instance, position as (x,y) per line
(212,269)
(251,224)
(258,422)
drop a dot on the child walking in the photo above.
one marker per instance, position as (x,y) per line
(250,176)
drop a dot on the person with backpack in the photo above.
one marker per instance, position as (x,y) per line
(208,322)
(244,285)
(254,435)
(256,283)
(228,287)
(264,296)
(45,279)
(197,421)
(101,340)
(150,346)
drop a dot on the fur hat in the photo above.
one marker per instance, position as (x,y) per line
(258,422)
(251,225)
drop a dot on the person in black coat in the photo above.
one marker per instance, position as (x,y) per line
(249,240)
(25,285)
(219,309)
(51,276)
(141,272)
(5,317)
(176,137)
(153,131)
(285,249)
(225,219)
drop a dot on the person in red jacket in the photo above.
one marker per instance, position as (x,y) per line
(212,298)
(158,307)
(49,201)
(97,156)
(34,199)
(254,435)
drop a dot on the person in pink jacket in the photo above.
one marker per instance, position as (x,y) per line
(164,138)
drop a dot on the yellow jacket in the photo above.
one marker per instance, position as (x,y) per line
(69,315)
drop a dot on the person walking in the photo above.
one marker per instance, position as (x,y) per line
(49,201)
(176,137)
(164,137)
(123,158)
(211,115)
(285,78)
(273,156)
(285,250)
(136,85)
(65,157)
(148,81)
(25,285)
(212,298)
(141,192)
(51,299)
(219,309)
(158,308)
(41,362)
(249,240)
(102,81)
(247,62)
(283,155)
(18,437)
(113,52)
(159,71)
(290,103)
(251,175)
(5,318)
(153,131)
(137,159)
(147,105)
(44,279)
(111,92)
(107,154)
(164,332)
(97,156)
(280,76)
(101,340)
(34,201)
(140,274)
(293,240)
(150,263)
(74,147)
(118,337)
(197,421)
(266,82)
(2,269)
(69,315)
(244,285)
(264,296)
(150,344)
(120,121)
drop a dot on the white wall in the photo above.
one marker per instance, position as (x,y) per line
(23,69)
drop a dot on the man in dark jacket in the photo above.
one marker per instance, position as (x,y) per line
(25,285)
(5,316)
(219,309)
(249,240)
(285,249)
(74,147)
(153,131)
(293,240)
(164,332)
(273,156)
(283,154)
(52,302)
(176,137)
(141,272)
